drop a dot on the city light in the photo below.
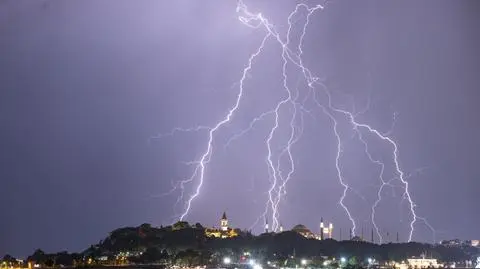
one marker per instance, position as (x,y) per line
(257,266)
(343,259)
(303,261)
(370,260)
(251,262)
(227,260)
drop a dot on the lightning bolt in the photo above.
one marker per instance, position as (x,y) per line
(206,156)
(178,130)
(380,189)
(293,139)
(345,186)
(278,183)
(286,53)
(398,170)
(274,171)
(279,177)
(250,128)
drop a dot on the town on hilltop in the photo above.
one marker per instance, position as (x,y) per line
(192,245)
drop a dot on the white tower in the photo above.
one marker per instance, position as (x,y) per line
(224,222)
(325,231)
(322,228)
(330,230)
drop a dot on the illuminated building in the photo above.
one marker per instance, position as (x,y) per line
(451,243)
(474,243)
(224,222)
(325,232)
(423,263)
(224,231)
(458,242)
(304,231)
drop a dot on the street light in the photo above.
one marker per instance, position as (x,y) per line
(227,260)
(370,260)
(303,262)
(343,259)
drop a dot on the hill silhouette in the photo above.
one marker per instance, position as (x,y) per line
(185,244)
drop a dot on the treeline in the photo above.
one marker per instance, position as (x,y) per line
(185,244)
(49,260)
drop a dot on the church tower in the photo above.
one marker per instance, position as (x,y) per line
(224,222)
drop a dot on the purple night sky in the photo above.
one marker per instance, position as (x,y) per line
(87,84)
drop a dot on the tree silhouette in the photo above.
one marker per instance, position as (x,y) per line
(188,245)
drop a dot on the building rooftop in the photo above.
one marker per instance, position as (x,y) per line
(300,228)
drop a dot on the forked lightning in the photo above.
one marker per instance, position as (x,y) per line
(317,92)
